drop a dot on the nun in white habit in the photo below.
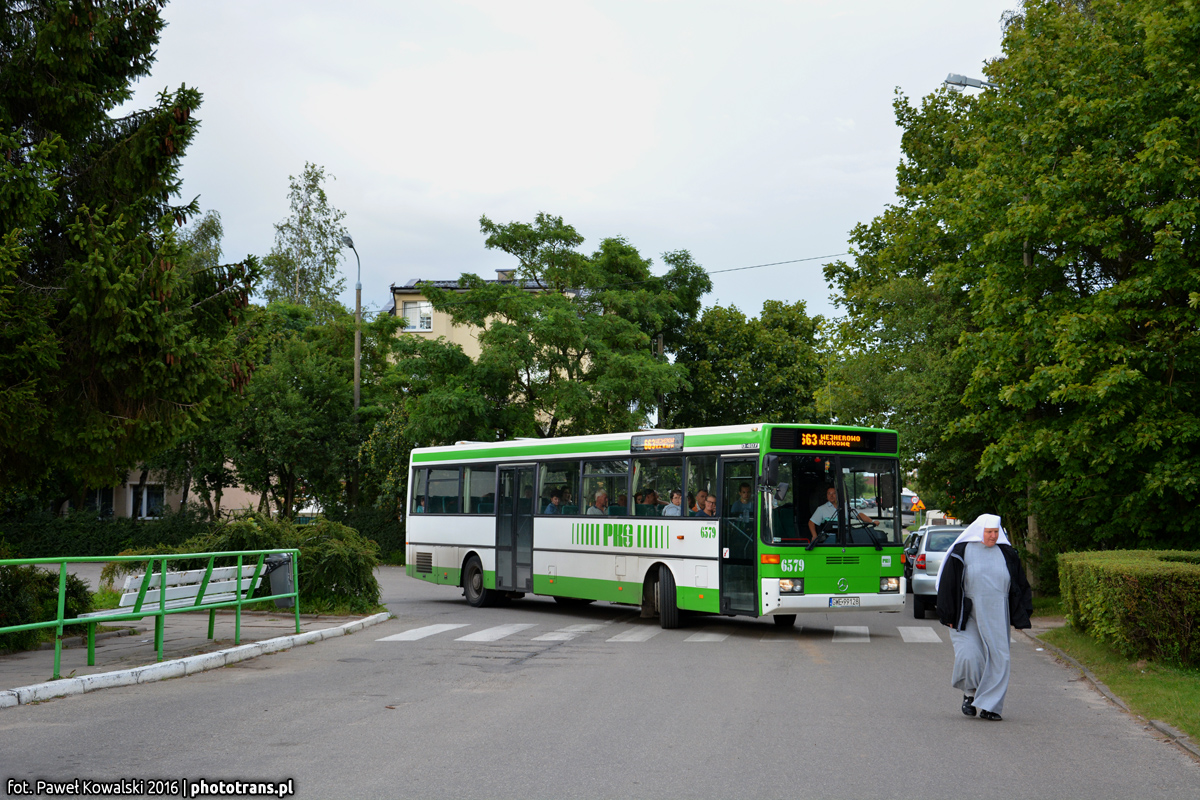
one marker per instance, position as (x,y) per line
(982,590)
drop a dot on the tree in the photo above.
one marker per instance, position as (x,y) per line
(565,345)
(303,266)
(201,461)
(896,348)
(1054,220)
(748,370)
(118,349)
(294,438)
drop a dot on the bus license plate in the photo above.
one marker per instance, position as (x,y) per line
(834,602)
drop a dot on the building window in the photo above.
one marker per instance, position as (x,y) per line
(148,504)
(418,316)
(100,501)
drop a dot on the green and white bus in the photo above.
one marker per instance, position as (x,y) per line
(589,518)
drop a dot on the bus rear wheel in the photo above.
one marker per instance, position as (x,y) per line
(477,595)
(668,611)
(785,620)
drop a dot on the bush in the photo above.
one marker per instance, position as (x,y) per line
(30,594)
(337,565)
(1146,603)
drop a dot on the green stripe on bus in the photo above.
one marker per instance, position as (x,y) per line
(502,450)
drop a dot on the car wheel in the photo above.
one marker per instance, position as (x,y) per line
(918,606)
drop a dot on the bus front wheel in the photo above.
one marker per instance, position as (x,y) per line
(668,611)
(784,620)
(477,595)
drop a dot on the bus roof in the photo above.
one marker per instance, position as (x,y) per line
(610,444)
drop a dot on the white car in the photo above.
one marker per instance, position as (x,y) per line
(935,541)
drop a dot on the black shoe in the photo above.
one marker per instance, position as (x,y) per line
(967,706)
(990,715)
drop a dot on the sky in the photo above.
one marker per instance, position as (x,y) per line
(746,133)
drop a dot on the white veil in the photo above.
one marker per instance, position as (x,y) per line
(974,533)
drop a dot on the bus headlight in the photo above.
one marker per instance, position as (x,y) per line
(889,584)
(791,585)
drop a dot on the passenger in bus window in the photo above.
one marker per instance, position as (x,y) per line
(742,508)
(710,507)
(600,507)
(674,508)
(553,507)
(652,499)
(701,497)
(565,494)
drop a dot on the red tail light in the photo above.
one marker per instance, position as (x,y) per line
(921,561)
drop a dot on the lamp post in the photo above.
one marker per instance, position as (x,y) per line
(959,82)
(346,240)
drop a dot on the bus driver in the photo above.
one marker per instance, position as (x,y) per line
(829,512)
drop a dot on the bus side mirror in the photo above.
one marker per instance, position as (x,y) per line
(770,473)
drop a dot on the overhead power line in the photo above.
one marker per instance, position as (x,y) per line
(658,277)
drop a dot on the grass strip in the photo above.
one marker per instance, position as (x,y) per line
(1156,691)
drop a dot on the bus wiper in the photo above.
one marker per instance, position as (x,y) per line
(870,532)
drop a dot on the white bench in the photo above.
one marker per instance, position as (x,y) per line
(184,590)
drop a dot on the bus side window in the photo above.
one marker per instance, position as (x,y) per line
(419,501)
(479,488)
(443,492)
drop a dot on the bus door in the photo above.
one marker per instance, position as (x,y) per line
(738,537)
(514,529)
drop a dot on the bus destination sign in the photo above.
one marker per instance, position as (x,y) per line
(815,439)
(652,442)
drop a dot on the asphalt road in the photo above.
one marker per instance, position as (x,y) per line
(553,707)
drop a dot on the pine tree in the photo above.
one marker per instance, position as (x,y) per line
(111,348)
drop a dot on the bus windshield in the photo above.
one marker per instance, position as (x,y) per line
(835,501)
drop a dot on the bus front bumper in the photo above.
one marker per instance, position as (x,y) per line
(775,603)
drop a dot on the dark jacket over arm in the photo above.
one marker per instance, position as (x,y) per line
(954,607)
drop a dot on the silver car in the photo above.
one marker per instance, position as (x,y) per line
(935,540)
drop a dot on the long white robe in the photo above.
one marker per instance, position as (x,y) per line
(981,656)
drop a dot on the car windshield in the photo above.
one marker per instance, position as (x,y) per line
(940,541)
(843,500)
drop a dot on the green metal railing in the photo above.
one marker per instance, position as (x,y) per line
(159,610)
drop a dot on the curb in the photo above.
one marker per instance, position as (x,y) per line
(1176,736)
(176,668)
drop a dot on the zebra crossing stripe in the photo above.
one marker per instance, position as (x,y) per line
(420,633)
(567,634)
(851,633)
(919,634)
(707,635)
(497,633)
(641,633)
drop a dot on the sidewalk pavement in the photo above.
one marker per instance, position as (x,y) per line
(132,644)
(127,645)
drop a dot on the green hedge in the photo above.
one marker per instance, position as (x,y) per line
(85,534)
(381,527)
(1146,603)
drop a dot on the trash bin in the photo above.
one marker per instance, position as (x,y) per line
(279,568)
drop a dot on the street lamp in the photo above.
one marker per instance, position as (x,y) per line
(959,82)
(346,240)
